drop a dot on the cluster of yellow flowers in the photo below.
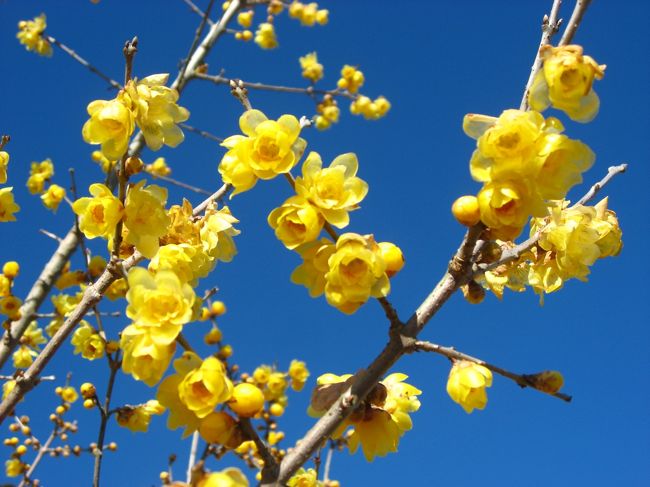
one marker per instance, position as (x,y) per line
(380,421)
(147,103)
(311,68)
(30,34)
(40,175)
(308,14)
(7,204)
(328,113)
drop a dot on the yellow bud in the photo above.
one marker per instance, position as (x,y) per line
(11,269)
(89,403)
(217,427)
(87,390)
(549,381)
(58,390)
(247,400)
(218,308)
(276,409)
(164,476)
(225,352)
(225,5)
(21,450)
(112,346)
(393,257)
(26,430)
(466,210)
(322,17)
(213,336)
(60,410)
(112,446)
(238,36)
(133,165)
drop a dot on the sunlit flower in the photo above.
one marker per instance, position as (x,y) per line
(30,34)
(466,384)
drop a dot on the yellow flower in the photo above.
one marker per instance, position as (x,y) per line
(7,205)
(156,111)
(5,286)
(351,79)
(401,399)
(377,434)
(335,190)
(275,386)
(88,342)
(271,147)
(98,216)
(158,167)
(236,172)
(4,161)
(566,82)
(219,427)
(245,19)
(104,163)
(299,374)
(247,400)
(111,124)
(38,174)
(217,232)
(230,477)
(506,206)
(69,394)
(144,358)
(265,36)
(65,303)
(371,110)
(14,467)
(466,385)
(296,222)
(184,260)
(137,418)
(161,303)
(30,34)
(23,357)
(53,196)
(33,335)
(311,273)
(145,217)
(194,391)
(311,68)
(356,272)
(304,478)
(10,307)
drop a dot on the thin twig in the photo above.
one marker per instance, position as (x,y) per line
(41,379)
(449,352)
(192,460)
(197,11)
(104,413)
(515,252)
(197,37)
(202,133)
(4,140)
(83,62)
(574,22)
(550,26)
(328,463)
(309,90)
(27,479)
(50,235)
(180,184)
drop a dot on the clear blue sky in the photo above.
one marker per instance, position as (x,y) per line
(435,62)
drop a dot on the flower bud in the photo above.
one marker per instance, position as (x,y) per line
(466,210)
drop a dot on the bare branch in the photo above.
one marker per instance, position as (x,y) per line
(197,36)
(550,26)
(202,133)
(574,22)
(270,469)
(198,11)
(449,352)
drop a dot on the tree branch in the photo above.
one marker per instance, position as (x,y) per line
(574,22)
(550,26)
(449,352)
(270,469)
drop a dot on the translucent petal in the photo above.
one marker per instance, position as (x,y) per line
(475,125)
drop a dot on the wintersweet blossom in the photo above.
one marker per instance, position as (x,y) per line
(145,217)
(98,216)
(160,302)
(156,111)
(53,196)
(351,79)
(466,384)
(265,36)
(296,222)
(111,124)
(356,272)
(565,82)
(39,173)
(7,205)
(230,477)
(311,68)
(267,149)
(144,357)
(217,232)
(30,34)
(88,342)
(334,190)
(193,392)
(137,418)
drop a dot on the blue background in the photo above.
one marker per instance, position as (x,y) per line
(435,62)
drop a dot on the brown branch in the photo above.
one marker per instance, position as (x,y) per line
(83,62)
(68,245)
(550,26)
(514,253)
(449,352)
(114,366)
(271,469)
(4,140)
(574,22)
(309,90)
(180,184)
